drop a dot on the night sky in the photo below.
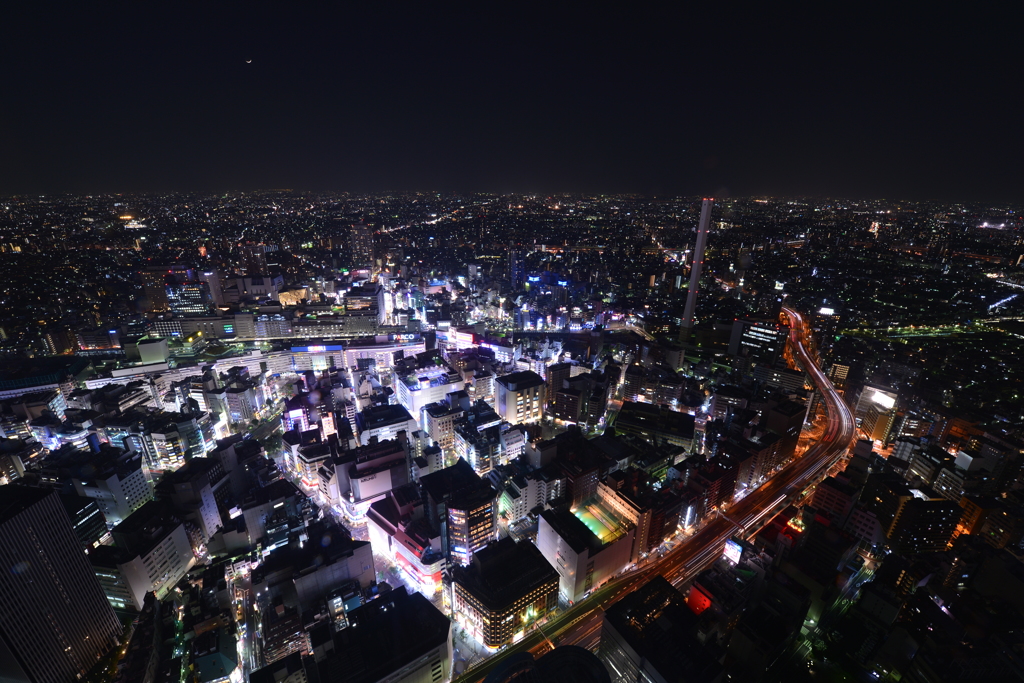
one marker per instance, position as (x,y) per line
(854,102)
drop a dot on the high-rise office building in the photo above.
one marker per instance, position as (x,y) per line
(86,519)
(838,373)
(361,242)
(189,298)
(516,269)
(154,284)
(55,622)
(875,411)
(212,280)
(914,520)
(760,340)
(556,374)
(463,508)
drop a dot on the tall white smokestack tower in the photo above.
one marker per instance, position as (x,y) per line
(696,268)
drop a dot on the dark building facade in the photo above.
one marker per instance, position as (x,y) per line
(650,636)
(55,622)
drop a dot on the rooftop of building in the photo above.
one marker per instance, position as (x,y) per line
(728,585)
(91,467)
(376,417)
(15,499)
(371,452)
(656,624)
(481,414)
(385,635)
(279,670)
(443,409)
(503,572)
(843,487)
(427,361)
(646,416)
(108,556)
(73,503)
(518,381)
(478,437)
(444,484)
(328,543)
(731,391)
(564,664)
(215,654)
(572,530)
(191,470)
(27,372)
(275,490)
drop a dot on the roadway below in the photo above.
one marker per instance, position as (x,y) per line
(580,622)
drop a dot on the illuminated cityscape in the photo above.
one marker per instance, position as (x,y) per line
(571,347)
(818,452)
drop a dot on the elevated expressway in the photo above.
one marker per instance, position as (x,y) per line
(580,623)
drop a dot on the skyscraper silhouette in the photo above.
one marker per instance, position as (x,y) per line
(55,622)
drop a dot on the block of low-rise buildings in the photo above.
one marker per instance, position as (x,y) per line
(151,552)
(399,636)
(383,422)
(316,560)
(119,487)
(193,491)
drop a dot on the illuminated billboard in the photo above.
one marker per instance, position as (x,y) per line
(884,399)
(733,551)
(826,311)
(316,348)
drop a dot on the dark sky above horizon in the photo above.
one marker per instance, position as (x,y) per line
(832,101)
